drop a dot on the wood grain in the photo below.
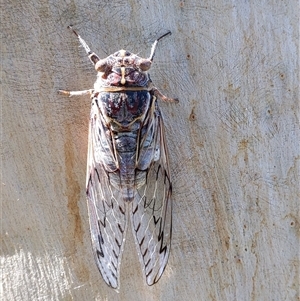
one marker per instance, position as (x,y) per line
(233,142)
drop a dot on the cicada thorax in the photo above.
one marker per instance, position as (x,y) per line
(124,111)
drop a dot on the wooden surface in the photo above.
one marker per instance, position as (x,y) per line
(233,142)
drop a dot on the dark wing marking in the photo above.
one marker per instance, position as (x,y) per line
(151,214)
(107,211)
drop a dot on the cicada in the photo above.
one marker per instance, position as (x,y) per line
(128,175)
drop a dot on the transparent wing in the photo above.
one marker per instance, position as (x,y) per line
(107,211)
(151,214)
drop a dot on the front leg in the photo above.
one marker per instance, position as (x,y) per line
(158,94)
(76,93)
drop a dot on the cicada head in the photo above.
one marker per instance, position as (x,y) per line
(124,68)
(123,58)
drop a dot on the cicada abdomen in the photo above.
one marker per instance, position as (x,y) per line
(127,165)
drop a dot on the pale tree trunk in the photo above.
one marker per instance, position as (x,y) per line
(233,141)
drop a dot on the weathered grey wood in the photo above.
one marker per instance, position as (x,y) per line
(233,141)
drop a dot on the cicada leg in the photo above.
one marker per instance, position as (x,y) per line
(76,93)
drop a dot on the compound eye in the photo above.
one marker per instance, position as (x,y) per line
(144,64)
(127,53)
(101,65)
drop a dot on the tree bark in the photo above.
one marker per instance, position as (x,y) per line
(233,141)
